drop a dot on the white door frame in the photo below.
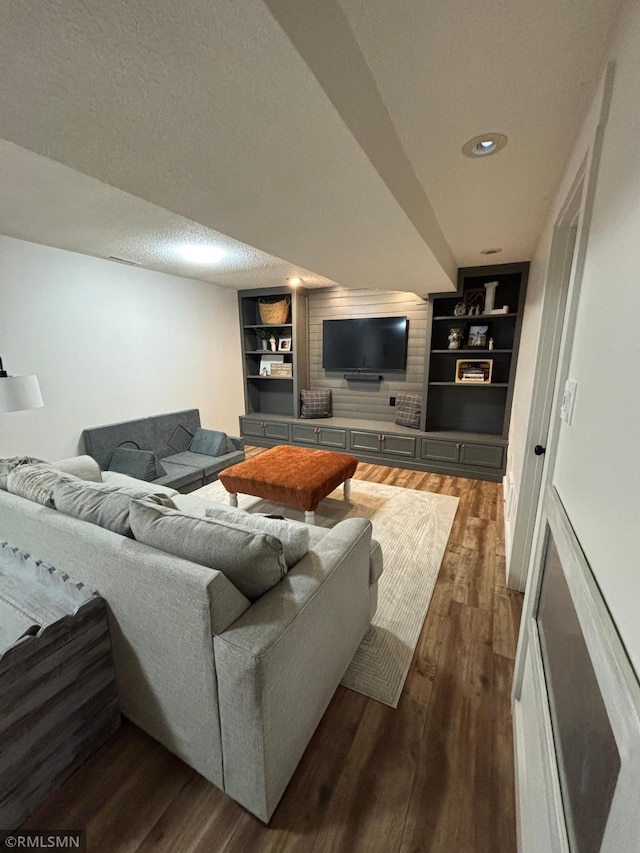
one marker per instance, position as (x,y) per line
(559,275)
(561,295)
(533,560)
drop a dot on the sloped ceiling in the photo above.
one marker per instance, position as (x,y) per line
(326,136)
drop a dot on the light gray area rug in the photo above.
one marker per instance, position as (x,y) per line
(413,528)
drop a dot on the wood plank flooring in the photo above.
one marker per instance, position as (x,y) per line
(436,774)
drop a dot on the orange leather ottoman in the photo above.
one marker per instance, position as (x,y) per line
(294,476)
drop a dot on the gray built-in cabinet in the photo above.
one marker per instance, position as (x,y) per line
(464,426)
(474,407)
(268,395)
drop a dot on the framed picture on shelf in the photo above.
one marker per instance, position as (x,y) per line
(282,370)
(267,362)
(284,345)
(478,335)
(474,371)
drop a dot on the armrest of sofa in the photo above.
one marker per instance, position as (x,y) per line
(84,467)
(238,443)
(279,664)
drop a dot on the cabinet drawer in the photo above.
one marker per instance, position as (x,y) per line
(248,427)
(330,437)
(275,429)
(487,455)
(304,434)
(399,445)
(443,451)
(365,441)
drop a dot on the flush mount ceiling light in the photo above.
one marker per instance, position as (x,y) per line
(198,253)
(484,145)
(490,251)
(293,280)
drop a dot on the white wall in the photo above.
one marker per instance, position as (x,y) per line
(597,471)
(110,342)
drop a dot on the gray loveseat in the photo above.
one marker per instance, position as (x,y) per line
(235,688)
(181,455)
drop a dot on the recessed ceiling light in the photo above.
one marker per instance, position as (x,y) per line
(197,253)
(293,280)
(485,144)
(490,251)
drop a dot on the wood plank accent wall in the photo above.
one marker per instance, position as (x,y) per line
(367,399)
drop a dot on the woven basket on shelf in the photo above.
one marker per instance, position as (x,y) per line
(272,313)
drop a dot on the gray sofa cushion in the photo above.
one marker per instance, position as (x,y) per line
(181,476)
(8,463)
(253,562)
(198,461)
(230,447)
(103,504)
(293,535)
(37,482)
(210,465)
(208,441)
(140,464)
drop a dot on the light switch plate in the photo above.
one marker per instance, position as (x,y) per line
(568,401)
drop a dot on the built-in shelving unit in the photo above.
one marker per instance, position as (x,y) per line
(479,408)
(273,395)
(464,426)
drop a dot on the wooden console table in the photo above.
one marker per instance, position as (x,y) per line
(58,696)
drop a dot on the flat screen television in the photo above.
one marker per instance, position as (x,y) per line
(367,343)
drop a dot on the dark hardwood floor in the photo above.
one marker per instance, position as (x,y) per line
(436,774)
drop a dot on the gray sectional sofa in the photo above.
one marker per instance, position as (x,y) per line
(234,687)
(168,450)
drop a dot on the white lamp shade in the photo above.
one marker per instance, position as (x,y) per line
(19,392)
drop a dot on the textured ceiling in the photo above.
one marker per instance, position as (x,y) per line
(73,211)
(327,134)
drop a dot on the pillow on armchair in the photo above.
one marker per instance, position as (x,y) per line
(209,442)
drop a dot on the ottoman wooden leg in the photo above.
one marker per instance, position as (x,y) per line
(347,489)
(309,517)
(233,499)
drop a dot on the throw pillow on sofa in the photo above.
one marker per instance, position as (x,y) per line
(293,535)
(253,562)
(139,464)
(8,463)
(103,504)
(37,482)
(316,404)
(209,442)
